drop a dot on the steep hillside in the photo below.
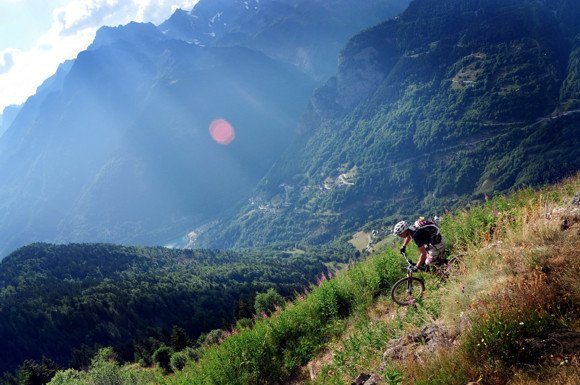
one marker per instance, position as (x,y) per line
(450,101)
(119,149)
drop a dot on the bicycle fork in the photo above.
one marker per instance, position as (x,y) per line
(409,283)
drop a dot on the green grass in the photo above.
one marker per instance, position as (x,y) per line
(277,346)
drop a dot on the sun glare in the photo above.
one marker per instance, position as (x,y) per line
(222,131)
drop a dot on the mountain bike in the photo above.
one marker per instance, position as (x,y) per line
(407,290)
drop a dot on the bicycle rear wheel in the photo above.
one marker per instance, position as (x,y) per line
(407,290)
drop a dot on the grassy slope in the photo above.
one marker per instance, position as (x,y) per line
(517,284)
(518,281)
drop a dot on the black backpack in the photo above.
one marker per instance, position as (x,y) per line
(430,226)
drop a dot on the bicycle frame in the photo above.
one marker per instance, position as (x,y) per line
(410,265)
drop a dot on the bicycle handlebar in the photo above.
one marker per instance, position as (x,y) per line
(410,264)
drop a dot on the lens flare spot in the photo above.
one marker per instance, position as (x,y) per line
(222,131)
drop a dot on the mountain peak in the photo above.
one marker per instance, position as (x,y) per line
(134,33)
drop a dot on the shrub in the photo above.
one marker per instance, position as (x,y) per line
(191,353)
(178,361)
(211,338)
(162,357)
(266,303)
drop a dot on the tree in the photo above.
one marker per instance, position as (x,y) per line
(162,357)
(268,301)
(32,373)
(244,308)
(179,338)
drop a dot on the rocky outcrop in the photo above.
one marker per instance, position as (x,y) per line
(366,379)
(571,215)
(420,344)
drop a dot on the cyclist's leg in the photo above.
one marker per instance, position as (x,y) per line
(435,253)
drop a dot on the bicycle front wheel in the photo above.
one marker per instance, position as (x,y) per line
(407,290)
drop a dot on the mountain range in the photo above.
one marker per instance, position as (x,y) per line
(115,147)
(449,102)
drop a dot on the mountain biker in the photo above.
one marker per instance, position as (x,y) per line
(427,237)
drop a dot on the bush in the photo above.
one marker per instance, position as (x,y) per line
(178,361)
(191,353)
(211,338)
(162,357)
(266,303)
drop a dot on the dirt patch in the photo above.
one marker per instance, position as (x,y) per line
(367,379)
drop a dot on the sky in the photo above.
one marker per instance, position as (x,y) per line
(37,35)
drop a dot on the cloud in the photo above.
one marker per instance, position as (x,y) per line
(6,62)
(83,14)
(73,28)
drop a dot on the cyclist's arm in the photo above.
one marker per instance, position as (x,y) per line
(406,241)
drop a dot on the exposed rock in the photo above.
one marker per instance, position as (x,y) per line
(576,200)
(571,214)
(359,77)
(422,343)
(366,379)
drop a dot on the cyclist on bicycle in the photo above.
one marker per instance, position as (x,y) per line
(427,237)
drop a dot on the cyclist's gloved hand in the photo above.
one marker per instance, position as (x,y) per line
(403,249)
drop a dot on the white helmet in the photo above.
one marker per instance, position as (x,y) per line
(400,228)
